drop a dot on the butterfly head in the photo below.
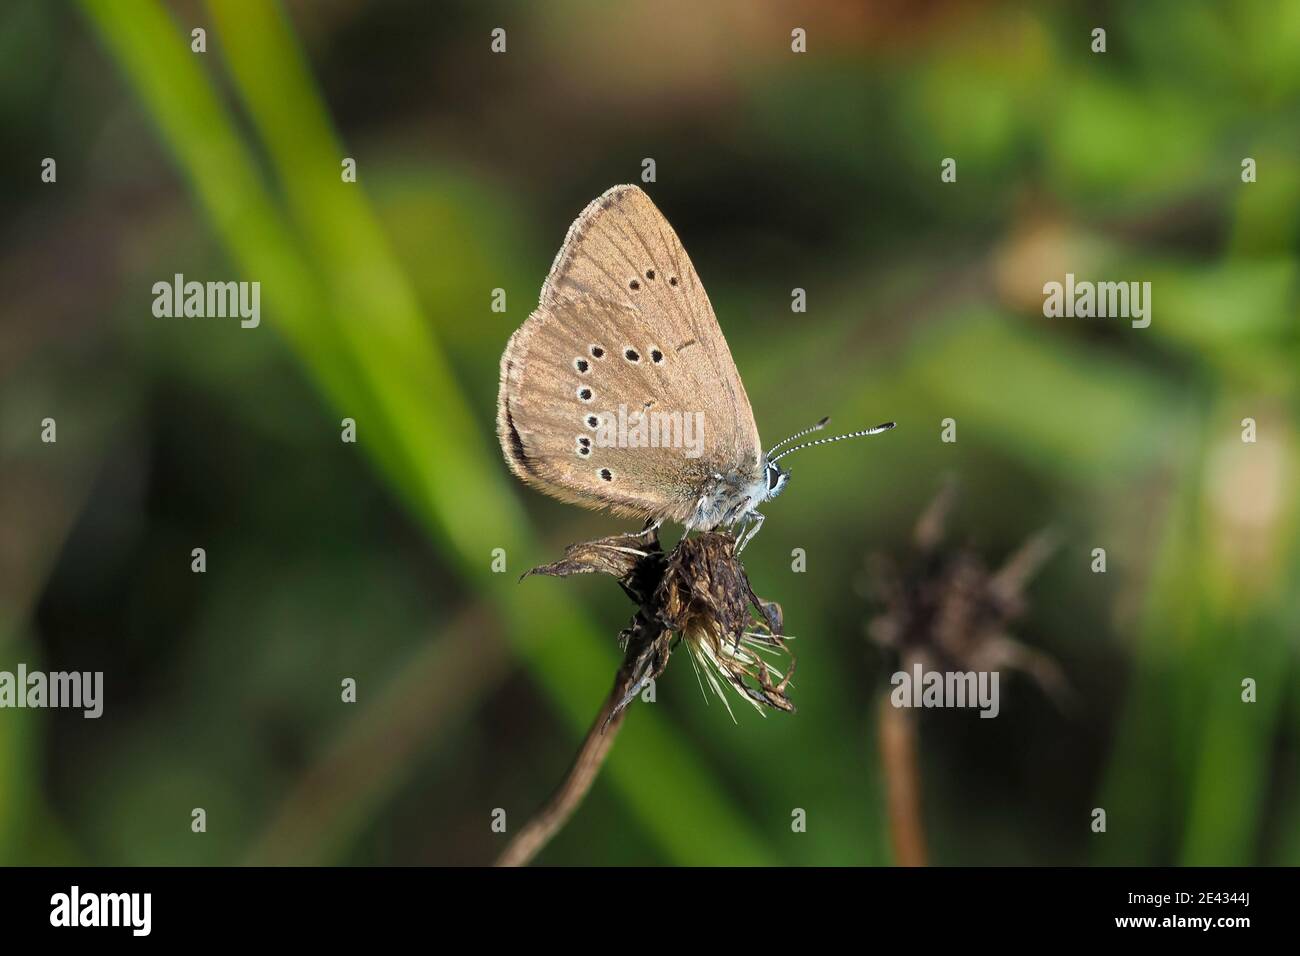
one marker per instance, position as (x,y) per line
(774,479)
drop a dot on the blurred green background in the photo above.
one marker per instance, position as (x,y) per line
(373,561)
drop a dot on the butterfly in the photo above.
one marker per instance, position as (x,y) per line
(619,391)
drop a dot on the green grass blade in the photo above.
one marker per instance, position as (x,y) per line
(347,311)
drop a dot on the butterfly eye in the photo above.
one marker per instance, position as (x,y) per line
(773,477)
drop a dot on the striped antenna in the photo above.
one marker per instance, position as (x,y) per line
(825,441)
(807,431)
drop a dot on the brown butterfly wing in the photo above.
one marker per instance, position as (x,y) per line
(621,282)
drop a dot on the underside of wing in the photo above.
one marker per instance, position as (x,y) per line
(574,434)
(624,329)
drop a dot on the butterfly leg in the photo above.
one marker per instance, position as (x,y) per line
(753,521)
(742,525)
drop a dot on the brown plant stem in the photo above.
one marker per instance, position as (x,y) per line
(897,729)
(552,817)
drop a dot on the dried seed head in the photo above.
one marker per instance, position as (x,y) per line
(699,593)
(946,610)
(733,635)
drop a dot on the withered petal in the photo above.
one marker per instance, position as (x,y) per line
(617,555)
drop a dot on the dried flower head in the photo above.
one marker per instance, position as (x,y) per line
(697,593)
(946,610)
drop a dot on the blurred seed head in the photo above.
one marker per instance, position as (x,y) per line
(945,608)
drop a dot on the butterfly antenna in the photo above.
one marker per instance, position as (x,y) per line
(825,441)
(807,431)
